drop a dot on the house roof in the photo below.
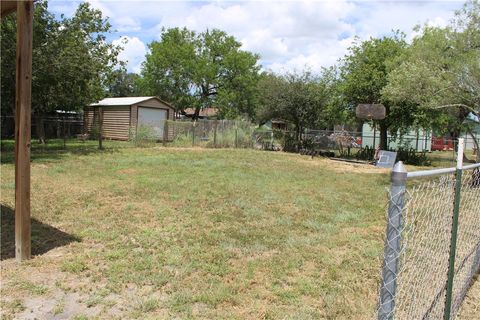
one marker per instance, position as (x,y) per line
(205,112)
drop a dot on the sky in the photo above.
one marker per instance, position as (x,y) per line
(289,36)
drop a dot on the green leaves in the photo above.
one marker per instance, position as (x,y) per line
(302,99)
(72,62)
(201,70)
(440,72)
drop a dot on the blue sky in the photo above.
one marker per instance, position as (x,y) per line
(288,35)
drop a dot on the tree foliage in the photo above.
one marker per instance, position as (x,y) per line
(123,84)
(303,99)
(201,70)
(71,64)
(440,72)
(364,71)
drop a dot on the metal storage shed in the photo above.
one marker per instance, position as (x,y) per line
(121,117)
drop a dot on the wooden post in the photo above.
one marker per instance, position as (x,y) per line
(165,133)
(215,134)
(64,133)
(100,128)
(23,105)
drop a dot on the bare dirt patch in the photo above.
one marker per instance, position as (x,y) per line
(341,167)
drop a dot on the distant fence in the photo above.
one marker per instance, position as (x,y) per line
(432,245)
(244,134)
(55,127)
(211,133)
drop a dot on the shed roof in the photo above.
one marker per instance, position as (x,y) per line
(124,101)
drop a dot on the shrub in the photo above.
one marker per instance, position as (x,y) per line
(411,156)
(143,136)
(407,155)
(366,153)
(94,132)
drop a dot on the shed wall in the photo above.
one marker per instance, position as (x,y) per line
(154,103)
(116,121)
(121,121)
(90,117)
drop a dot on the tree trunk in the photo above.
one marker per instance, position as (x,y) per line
(297,138)
(454,137)
(196,114)
(383,136)
(40,128)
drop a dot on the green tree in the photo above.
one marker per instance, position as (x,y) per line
(364,72)
(299,98)
(201,70)
(123,84)
(71,63)
(441,73)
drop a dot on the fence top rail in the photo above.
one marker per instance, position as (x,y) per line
(436,172)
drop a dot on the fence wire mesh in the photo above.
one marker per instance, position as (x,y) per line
(416,287)
(467,261)
(211,133)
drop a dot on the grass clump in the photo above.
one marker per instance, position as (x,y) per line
(74,266)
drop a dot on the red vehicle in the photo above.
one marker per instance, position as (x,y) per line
(442,144)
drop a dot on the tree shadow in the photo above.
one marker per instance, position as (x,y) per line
(44,237)
(55,150)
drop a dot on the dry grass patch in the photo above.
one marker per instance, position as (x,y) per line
(187,233)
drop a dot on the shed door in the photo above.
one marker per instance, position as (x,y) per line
(153,118)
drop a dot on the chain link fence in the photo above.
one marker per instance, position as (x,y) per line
(210,133)
(53,126)
(432,247)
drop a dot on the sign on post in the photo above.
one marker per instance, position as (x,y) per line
(386,159)
(374,111)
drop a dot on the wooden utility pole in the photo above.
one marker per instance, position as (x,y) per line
(23,101)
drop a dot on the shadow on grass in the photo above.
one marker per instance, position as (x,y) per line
(55,150)
(44,237)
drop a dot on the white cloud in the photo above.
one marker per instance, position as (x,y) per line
(287,34)
(133,53)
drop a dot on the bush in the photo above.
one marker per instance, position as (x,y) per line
(366,153)
(94,132)
(407,155)
(411,156)
(144,136)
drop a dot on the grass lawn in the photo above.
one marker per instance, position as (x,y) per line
(167,233)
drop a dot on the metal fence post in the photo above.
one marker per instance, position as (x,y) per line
(453,238)
(392,242)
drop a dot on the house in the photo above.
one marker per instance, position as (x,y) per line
(122,117)
(276,124)
(420,140)
(423,139)
(205,113)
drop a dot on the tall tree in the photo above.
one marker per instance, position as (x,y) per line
(72,62)
(364,72)
(123,84)
(201,70)
(441,72)
(299,98)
